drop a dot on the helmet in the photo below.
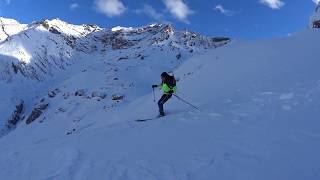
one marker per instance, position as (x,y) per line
(164,74)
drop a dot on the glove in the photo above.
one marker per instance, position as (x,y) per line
(171,92)
(154,86)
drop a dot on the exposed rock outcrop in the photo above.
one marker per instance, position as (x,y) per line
(16,115)
(117,97)
(37,112)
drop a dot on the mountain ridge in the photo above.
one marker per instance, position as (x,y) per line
(85,38)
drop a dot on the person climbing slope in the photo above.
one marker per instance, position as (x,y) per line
(169,87)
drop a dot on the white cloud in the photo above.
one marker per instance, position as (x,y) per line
(74,6)
(178,9)
(224,11)
(150,11)
(273,4)
(316,1)
(110,7)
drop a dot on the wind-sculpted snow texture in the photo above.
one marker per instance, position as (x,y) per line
(259,110)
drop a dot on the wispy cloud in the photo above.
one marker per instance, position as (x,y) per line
(110,8)
(150,11)
(74,6)
(179,9)
(316,1)
(223,10)
(273,4)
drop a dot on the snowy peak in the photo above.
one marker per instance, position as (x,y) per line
(315,18)
(157,35)
(148,28)
(9,27)
(61,28)
(7,21)
(58,26)
(40,48)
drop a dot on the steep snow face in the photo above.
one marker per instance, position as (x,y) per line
(9,27)
(53,62)
(258,119)
(315,18)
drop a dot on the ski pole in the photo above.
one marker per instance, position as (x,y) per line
(154,95)
(195,107)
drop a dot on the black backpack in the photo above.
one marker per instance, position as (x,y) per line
(171,82)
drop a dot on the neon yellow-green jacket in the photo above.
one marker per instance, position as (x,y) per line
(166,88)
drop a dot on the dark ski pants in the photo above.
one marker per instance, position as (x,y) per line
(163,99)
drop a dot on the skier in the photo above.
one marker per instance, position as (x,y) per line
(169,87)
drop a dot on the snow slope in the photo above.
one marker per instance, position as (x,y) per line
(55,67)
(259,114)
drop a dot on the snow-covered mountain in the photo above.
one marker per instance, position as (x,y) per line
(9,27)
(42,47)
(315,18)
(40,60)
(258,119)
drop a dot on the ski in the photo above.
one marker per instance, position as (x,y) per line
(148,119)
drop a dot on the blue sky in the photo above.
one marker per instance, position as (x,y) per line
(246,19)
